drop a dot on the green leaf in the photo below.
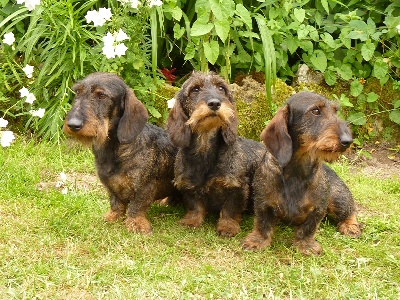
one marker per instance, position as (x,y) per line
(372,97)
(396,103)
(178,31)
(380,69)
(330,77)
(222,9)
(345,101)
(395,116)
(154,112)
(356,88)
(199,29)
(244,14)
(299,14)
(222,28)
(325,5)
(190,51)
(357,119)
(176,13)
(367,50)
(319,60)
(345,72)
(357,34)
(211,51)
(328,39)
(302,32)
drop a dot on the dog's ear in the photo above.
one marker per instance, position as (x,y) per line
(179,132)
(276,137)
(229,133)
(133,119)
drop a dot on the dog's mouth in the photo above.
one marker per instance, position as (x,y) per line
(204,119)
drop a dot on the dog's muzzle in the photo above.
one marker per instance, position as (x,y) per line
(75,124)
(214,104)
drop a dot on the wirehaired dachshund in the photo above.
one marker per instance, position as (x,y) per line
(214,168)
(134,159)
(302,135)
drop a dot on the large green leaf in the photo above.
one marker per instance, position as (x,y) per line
(199,29)
(211,51)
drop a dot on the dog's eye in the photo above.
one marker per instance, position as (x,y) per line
(222,88)
(101,96)
(195,89)
(316,112)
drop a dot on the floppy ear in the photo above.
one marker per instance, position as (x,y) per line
(229,133)
(276,137)
(133,120)
(179,132)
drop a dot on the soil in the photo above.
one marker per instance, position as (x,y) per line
(380,160)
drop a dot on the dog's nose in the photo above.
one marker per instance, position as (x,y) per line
(214,104)
(75,124)
(346,140)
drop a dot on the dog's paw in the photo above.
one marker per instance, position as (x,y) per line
(308,247)
(255,241)
(351,229)
(138,224)
(228,227)
(192,219)
(113,216)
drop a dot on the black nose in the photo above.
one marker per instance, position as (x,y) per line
(346,140)
(75,124)
(214,104)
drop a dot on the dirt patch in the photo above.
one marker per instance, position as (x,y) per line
(380,160)
(71,182)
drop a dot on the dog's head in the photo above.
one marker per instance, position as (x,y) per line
(307,125)
(104,105)
(203,105)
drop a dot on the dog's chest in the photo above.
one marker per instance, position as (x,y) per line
(303,196)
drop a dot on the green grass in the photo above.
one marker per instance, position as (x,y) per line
(55,246)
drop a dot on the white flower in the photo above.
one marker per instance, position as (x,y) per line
(38,113)
(398,28)
(111,48)
(108,39)
(24,92)
(120,49)
(171,102)
(109,51)
(90,15)
(64,191)
(133,3)
(30,4)
(155,3)
(28,71)
(9,38)
(3,123)
(30,98)
(6,138)
(105,13)
(121,36)
(98,17)
(63,176)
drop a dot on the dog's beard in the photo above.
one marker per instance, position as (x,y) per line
(205,120)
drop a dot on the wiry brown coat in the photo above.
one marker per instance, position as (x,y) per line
(134,159)
(302,135)
(214,167)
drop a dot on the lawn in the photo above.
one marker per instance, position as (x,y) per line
(55,245)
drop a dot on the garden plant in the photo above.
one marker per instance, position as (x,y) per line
(54,242)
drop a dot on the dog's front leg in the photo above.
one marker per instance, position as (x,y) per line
(305,234)
(196,209)
(231,212)
(117,209)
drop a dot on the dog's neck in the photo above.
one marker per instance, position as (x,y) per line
(105,154)
(302,164)
(206,143)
